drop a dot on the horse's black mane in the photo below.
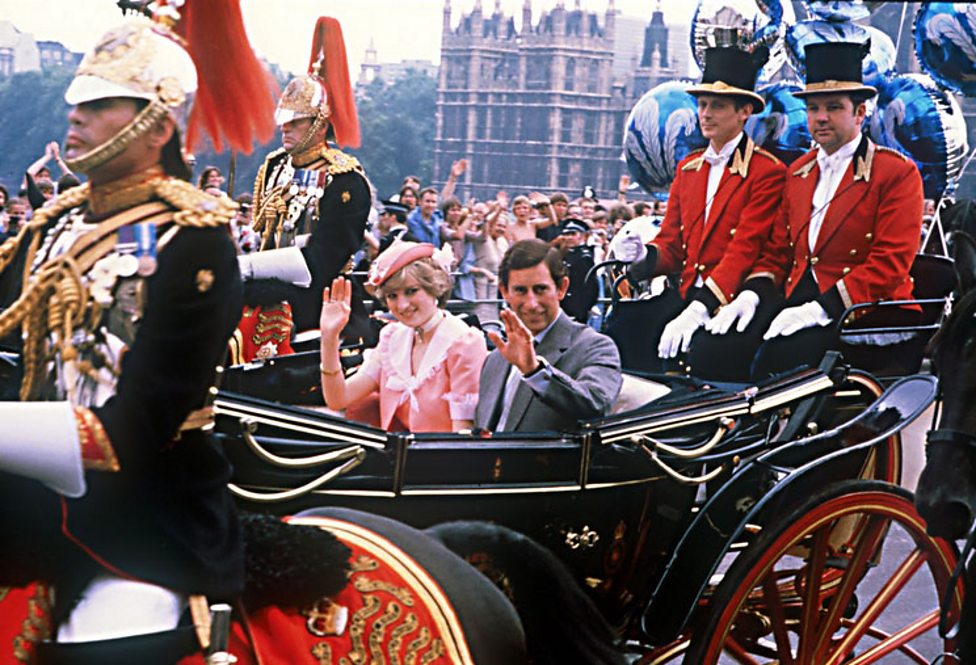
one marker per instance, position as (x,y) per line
(952,329)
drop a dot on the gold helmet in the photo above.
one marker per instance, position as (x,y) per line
(151,60)
(325,92)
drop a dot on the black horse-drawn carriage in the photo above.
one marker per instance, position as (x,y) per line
(715,524)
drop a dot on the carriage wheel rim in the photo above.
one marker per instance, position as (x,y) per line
(883,507)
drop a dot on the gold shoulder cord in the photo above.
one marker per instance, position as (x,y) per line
(55,300)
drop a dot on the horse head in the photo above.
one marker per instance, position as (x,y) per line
(946,495)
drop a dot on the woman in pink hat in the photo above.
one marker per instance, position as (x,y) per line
(427,363)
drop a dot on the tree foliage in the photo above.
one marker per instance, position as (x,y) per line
(397,121)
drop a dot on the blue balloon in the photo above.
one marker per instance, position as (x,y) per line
(877,65)
(945,44)
(781,127)
(661,130)
(920,120)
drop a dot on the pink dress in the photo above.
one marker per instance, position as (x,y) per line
(445,387)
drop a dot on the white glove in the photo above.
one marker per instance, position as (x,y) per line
(677,334)
(793,319)
(631,249)
(742,309)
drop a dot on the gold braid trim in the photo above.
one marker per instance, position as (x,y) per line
(55,300)
(266,210)
(195,208)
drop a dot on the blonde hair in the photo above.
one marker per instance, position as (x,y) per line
(429,276)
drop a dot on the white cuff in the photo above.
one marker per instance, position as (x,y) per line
(287,264)
(40,440)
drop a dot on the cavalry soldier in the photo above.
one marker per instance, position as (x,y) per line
(848,232)
(720,209)
(311,200)
(131,294)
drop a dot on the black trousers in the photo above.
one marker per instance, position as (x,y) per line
(728,357)
(636,326)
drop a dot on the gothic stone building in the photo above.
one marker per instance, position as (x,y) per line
(533,107)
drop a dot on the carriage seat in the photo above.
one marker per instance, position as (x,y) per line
(934,278)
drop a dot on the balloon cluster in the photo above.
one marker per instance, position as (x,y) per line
(661,129)
(913,114)
(924,122)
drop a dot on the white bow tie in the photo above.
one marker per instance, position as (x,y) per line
(716,158)
(829,162)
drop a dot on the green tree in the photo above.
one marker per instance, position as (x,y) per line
(397,121)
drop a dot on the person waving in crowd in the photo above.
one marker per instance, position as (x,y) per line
(428,362)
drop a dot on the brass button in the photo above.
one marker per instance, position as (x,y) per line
(853,252)
(846,270)
(814,261)
(868,236)
(684,246)
(791,245)
(732,232)
(789,279)
(794,263)
(701,268)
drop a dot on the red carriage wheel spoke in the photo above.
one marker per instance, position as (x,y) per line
(869,537)
(862,625)
(810,619)
(897,641)
(777,617)
(739,653)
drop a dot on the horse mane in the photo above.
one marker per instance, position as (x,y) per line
(951,329)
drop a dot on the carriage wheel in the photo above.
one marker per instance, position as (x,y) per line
(813,588)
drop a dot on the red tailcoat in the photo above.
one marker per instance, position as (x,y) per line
(723,248)
(869,236)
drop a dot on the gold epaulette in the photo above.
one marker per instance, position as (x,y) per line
(340,162)
(762,151)
(694,164)
(892,151)
(804,169)
(194,207)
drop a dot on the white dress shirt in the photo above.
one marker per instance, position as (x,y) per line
(717,162)
(832,169)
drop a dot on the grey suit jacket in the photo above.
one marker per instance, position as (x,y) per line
(586,380)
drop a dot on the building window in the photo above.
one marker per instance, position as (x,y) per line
(535,125)
(566,130)
(591,129)
(570,74)
(593,78)
(539,74)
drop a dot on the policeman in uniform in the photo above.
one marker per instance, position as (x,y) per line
(720,209)
(848,232)
(311,199)
(132,292)
(578,257)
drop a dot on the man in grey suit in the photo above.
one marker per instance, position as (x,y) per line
(549,372)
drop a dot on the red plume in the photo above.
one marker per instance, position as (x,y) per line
(235,96)
(327,41)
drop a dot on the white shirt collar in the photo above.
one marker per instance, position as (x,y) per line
(840,156)
(722,155)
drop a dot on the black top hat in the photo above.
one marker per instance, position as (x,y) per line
(393,208)
(572,225)
(835,67)
(731,71)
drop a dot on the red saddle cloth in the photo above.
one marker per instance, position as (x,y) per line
(263,332)
(391,611)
